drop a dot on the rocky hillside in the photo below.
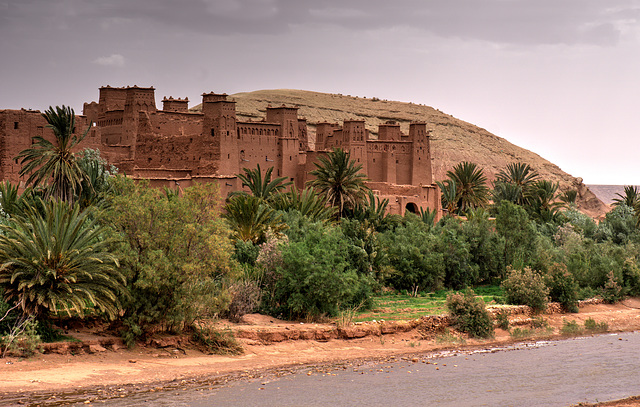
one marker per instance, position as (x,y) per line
(453,140)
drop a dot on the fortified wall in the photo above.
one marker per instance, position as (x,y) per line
(174,146)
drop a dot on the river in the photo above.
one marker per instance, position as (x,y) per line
(555,373)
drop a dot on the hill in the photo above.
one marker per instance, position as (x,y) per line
(453,140)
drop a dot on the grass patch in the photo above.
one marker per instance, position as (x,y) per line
(393,306)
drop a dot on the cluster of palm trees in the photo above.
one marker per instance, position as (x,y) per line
(466,189)
(338,187)
(53,254)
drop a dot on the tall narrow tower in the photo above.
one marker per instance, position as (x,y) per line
(421,172)
(219,130)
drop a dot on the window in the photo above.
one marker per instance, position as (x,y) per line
(213,132)
(15,125)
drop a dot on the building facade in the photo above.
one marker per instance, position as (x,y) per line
(174,146)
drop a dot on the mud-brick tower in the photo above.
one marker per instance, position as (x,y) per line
(354,141)
(219,127)
(288,143)
(421,172)
(138,101)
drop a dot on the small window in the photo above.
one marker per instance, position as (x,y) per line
(213,132)
(15,125)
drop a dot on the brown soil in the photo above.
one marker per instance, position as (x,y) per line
(271,345)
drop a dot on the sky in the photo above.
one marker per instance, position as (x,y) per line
(558,77)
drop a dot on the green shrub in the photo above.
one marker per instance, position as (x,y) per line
(612,291)
(563,288)
(570,328)
(175,253)
(591,325)
(502,319)
(520,333)
(468,314)
(539,323)
(316,278)
(412,258)
(526,287)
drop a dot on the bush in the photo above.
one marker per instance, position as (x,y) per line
(502,319)
(591,325)
(218,342)
(316,278)
(469,314)
(612,291)
(411,255)
(175,252)
(526,287)
(563,288)
(570,328)
(245,298)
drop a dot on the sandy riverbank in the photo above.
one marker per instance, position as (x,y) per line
(113,372)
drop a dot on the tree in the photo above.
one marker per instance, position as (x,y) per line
(262,187)
(449,195)
(542,198)
(55,163)
(175,252)
(250,218)
(307,202)
(630,197)
(58,261)
(339,180)
(521,175)
(471,186)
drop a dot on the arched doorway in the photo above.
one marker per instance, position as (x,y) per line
(411,207)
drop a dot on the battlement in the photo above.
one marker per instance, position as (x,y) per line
(214,97)
(175,105)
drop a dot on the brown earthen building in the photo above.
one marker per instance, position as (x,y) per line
(175,146)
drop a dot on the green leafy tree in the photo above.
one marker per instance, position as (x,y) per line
(340,180)
(471,186)
(315,277)
(412,257)
(519,233)
(58,260)
(175,253)
(55,163)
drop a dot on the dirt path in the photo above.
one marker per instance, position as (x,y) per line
(145,369)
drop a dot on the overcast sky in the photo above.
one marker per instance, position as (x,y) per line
(559,77)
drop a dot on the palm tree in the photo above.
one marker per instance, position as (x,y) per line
(449,195)
(543,200)
(262,187)
(630,197)
(339,180)
(55,163)
(58,260)
(471,186)
(251,218)
(307,202)
(521,175)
